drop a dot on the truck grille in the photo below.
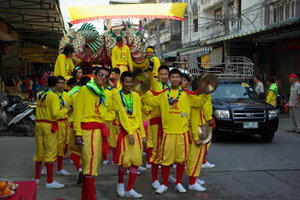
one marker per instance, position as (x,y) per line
(249,115)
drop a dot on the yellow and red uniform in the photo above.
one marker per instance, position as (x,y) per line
(71,145)
(88,124)
(63,66)
(175,122)
(156,64)
(62,134)
(155,121)
(121,58)
(131,124)
(47,112)
(199,117)
(109,117)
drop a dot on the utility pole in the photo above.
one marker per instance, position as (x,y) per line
(226,28)
(157,35)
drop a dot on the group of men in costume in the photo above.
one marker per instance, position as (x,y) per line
(105,113)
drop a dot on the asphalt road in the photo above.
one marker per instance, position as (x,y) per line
(246,169)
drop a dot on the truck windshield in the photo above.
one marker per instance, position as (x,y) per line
(234,91)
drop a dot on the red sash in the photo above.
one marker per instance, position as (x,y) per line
(54,124)
(157,120)
(122,134)
(104,131)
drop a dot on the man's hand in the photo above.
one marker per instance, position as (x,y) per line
(79,141)
(70,109)
(198,142)
(131,139)
(144,139)
(211,123)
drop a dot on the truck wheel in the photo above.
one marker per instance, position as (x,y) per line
(267,137)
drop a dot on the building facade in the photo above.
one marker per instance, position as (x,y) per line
(265,31)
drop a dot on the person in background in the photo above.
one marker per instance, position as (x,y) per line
(185,81)
(64,64)
(115,77)
(272,91)
(121,56)
(259,86)
(277,81)
(48,110)
(294,103)
(153,60)
(77,73)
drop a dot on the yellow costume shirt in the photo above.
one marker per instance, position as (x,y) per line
(86,109)
(175,118)
(49,108)
(63,66)
(130,122)
(121,56)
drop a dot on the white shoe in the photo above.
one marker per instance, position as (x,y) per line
(105,162)
(208,165)
(63,173)
(162,189)
(128,171)
(200,182)
(142,169)
(54,185)
(156,184)
(120,189)
(196,187)
(37,181)
(180,188)
(172,179)
(44,171)
(133,194)
(79,176)
(148,166)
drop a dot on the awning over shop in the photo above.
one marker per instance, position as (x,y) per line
(175,52)
(35,20)
(160,11)
(254,31)
(5,37)
(198,50)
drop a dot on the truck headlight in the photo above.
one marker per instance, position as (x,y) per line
(222,114)
(273,113)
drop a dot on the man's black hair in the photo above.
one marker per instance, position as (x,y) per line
(116,70)
(126,74)
(175,71)
(163,67)
(84,80)
(271,79)
(187,77)
(68,49)
(60,78)
(101,68)
(52,81)
(72,81)
(151,47)
(137,71)
(75,71)
(195,83)
(119,39)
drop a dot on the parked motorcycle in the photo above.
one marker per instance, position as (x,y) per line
(16,118)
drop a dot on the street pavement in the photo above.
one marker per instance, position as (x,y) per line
(246,169)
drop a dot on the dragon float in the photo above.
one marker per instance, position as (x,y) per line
(92,47)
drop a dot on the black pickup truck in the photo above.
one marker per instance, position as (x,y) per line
(238,109)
